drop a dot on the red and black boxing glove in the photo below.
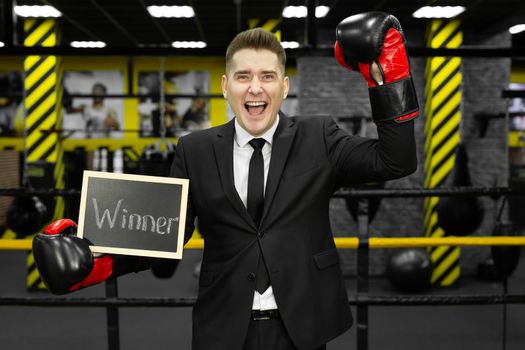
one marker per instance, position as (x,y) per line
(377,37)
(65,261)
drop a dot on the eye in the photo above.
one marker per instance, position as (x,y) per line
(243,77)
(268,77)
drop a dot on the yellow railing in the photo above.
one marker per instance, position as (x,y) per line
(351,242)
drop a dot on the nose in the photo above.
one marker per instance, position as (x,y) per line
(255,87)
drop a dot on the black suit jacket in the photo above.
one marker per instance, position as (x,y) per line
(311,158)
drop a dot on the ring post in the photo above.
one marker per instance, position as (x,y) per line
(362,273)
(112,315)
(504,328)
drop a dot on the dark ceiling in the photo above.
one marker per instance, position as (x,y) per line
(126,23)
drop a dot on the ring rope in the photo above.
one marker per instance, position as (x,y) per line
(360,299)
(378,193)
(351,242)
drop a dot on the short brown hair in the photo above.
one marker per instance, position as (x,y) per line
(258,39)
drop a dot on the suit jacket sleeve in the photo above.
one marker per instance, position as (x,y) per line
(359,160)
(179,170)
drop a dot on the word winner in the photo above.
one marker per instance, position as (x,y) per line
(132,221)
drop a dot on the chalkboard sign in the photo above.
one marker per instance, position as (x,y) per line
(133,214)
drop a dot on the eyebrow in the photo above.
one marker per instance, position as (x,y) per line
(248,72)
(241,72)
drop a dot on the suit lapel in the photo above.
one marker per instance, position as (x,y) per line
(223,148)
(281,146)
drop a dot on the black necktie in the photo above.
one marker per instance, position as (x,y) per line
(255,204)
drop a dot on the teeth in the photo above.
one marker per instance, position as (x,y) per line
(255,104)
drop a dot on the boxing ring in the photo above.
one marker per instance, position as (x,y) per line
(362,300)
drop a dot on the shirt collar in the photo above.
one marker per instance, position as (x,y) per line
(242,137)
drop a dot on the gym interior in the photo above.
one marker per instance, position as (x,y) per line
(430,261)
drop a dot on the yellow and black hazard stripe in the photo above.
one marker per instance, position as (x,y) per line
(33,281)
(131,160)
(43,107)
(270,25)
(8,234)
(442,131)
(130,153)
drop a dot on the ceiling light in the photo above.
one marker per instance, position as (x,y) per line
(88,44)
(37,11)
(171,11)
(518,28)
(302,11)
(438,11)
(290,44)
(189,44)
(295,12)
(321,11)
(2,44)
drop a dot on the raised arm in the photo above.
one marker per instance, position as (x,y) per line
(373,44)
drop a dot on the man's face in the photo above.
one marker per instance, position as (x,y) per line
(255,87)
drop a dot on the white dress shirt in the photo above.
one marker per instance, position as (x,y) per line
(242,152)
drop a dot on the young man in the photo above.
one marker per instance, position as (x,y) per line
(261,186)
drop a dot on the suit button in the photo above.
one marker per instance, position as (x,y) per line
(251,277)
(260,234)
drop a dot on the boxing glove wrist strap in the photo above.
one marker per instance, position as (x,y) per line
(393,100)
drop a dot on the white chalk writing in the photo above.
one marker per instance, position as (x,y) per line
(133,221)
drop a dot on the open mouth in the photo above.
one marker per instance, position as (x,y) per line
(255,107)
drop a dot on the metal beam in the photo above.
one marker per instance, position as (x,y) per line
(518,52)
(198,22)
(72,21)
(156,23)
(311,25)
(238,15)
(114,22)
(9,19)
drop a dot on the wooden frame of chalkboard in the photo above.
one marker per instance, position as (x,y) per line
(133,214)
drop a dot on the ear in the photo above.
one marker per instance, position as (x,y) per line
(286,83)
(224,84)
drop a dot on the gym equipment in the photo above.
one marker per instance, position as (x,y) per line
(373,203)
(409,270)
(506,258)
(459,216)
(26,215)
(156,159)
(517,203)
(377,37)
(164,268)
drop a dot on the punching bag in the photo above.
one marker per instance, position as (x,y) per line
(517,203)
(506,258)
(373,203)
(164,268)
(461,215)
(26,215)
